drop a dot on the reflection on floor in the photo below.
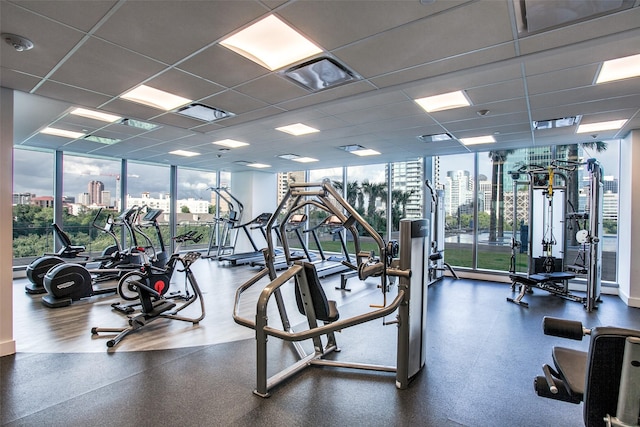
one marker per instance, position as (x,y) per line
(483,354)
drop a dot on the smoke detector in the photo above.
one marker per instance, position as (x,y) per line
(19,43)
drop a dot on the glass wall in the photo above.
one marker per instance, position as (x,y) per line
(196,206)
(488,201)
(32,204)
(456,174)
(148,186)
(91,194)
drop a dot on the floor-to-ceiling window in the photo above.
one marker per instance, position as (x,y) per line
(148,186)
(32,204)
(196,202)
(455,173)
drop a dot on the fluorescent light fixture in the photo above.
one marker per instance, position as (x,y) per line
(487,139)
(138,124)
(596,127)
(203,112)
(305,160)
(320,73)
(102,139)
(297,129)
(258,165)
(155,98)
(444,101)
(230,143)
(184,153)
(97,115)
(618,69)
(556,123)
(435,137)
(365,152)
(289,156)
(61,132)
(271,43)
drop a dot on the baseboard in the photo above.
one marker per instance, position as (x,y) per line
(7,348)
(631,302)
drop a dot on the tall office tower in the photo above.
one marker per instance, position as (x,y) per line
(458,191)
(95,189)
(407,176)
(84,199)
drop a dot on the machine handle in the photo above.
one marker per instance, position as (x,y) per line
(563,328)
(550,382)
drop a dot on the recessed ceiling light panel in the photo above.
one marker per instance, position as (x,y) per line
(445,101)
(305,160)
(62,132)
(271,43)
(366,152)
(155,98)
(297,129)
(487,139)
(230,143)
(97,115)
(618,69)
(601,126)
(184,153)
(258,165)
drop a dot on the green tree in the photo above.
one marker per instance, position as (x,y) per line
(185,209)
(496,223)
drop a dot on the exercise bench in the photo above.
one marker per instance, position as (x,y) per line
(556,283)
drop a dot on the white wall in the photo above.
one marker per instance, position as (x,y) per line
(257,191)
(7,343)
(629,220)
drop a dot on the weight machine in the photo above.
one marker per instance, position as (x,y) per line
(548,196)
(322,315)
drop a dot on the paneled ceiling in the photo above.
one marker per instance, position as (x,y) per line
(520,68)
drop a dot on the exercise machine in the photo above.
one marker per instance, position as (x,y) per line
(127,285)
(154,305)
(322,315)
(224,233)
(39,267)
(110,256)
(547,197)
(240,258)
(605,378)
(68,282)
(332,264)
(437,264)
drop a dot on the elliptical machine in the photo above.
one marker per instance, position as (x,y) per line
(40,266)
(68,282)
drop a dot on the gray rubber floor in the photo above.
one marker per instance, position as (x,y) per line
(483,354)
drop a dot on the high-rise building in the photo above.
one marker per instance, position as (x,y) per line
(284,178)
(407,177)
(95,189)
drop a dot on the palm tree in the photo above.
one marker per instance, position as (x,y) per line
(572,177)
(496,221)
(373,190)
(353,192)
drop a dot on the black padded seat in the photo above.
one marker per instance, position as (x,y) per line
(572,365)
(325,310)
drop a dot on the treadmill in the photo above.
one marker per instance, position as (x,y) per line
(240,258)
(333,264)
